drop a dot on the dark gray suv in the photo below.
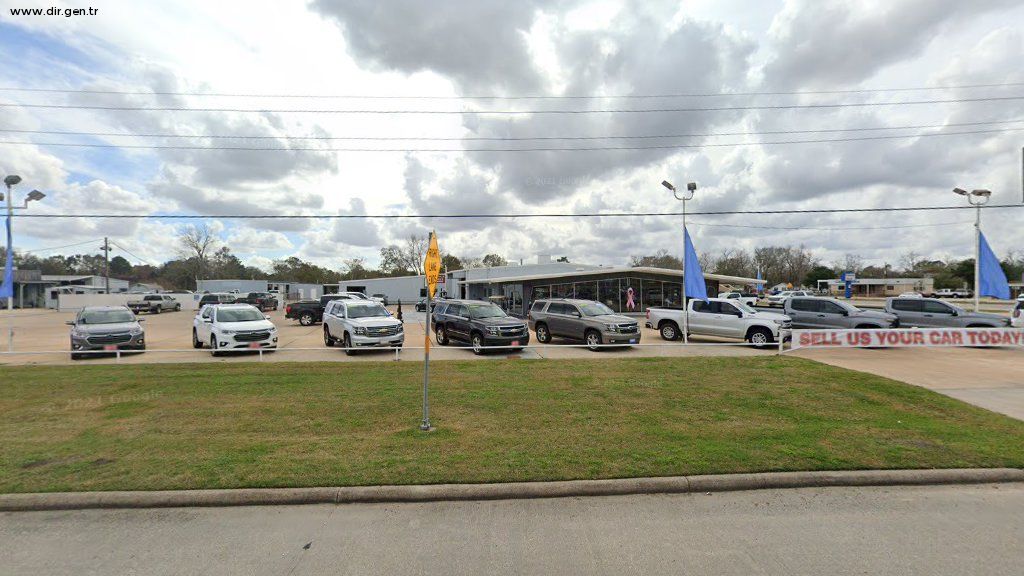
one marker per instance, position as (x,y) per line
(586,320)
(108,328)
(479,323)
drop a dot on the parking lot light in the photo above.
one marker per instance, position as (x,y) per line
(691,189)
(976,198)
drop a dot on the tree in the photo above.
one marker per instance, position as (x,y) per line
(196,243)
(492,260)
(119,266)
(355,269)
(734,262)
(414,251)
(818,272)
(660,259)
(850,263)
(451,262)
(392,263)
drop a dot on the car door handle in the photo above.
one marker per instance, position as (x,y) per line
(821,315)
(929,316)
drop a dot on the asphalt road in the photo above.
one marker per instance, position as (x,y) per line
(975,530)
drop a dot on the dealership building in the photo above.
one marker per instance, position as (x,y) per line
(515,287)
(878,287)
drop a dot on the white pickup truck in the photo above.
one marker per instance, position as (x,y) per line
(746,298)
(721,317)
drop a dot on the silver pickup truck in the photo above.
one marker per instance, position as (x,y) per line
(154,304)
(934,313)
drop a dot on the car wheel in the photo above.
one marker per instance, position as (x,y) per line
(760,337)
(669,331)
(177,308)
(214,351)
(157,310)
(477,341)
(306,319)
(543,335)
(76,356)
(593,340)
(347,342)
(328,341)
(441,335)
(195,340)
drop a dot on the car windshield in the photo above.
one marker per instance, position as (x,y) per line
(595,309)
(744,307)
(367,311)
(485,311)
(106,317)
(239,315)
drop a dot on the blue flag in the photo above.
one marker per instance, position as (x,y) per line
(7,286)
(991,278)
(759,285)
(693,276)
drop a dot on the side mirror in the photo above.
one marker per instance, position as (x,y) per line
(208,320)
(846,312)
(266,317)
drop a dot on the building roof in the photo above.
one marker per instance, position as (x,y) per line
(610,270)
(878,281)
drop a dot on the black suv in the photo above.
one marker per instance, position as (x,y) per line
(479,323)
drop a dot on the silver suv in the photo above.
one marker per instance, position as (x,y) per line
(107,328)
(586,320)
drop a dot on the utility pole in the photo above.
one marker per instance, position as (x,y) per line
(106,262)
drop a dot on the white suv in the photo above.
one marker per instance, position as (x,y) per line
(233,327)
(780,298)
(361,324)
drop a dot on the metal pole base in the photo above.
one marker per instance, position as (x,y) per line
(426,427)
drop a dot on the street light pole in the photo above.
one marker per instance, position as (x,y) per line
(691,189)
(976,198)
(10,181)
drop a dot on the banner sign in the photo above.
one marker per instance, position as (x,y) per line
(908,338)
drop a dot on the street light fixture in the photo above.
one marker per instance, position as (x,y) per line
(691,189)
(10,181)
(976,198)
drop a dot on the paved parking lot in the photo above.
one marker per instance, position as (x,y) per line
(170,336)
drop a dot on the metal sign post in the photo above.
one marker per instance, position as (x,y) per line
(432,269)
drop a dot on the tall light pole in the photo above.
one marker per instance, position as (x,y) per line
(976,198)
(691,189)
(10,181)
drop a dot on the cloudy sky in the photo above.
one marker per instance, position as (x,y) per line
(426,55)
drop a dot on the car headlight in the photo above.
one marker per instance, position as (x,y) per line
(360,331)
(611,327)
(401,328)
(136,331)
(779,322)
(493,330)
(273,328)
(76,333)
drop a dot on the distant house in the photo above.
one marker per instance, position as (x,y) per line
(879,287)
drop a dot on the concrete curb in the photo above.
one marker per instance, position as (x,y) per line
(501,491)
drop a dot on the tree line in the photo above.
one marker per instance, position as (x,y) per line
(799,266)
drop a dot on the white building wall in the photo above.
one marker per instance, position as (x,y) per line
(75,302)
(404,288)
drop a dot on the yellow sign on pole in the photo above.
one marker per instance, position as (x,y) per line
(432,264)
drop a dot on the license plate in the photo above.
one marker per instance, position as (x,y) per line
(632,341)
(254,345)
(515,342)
(110,347)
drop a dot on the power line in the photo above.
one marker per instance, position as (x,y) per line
(511,112)
(831,228)
(513,97)
(541,149)
(508,138)
(60,247)
(497,216)
(126,251)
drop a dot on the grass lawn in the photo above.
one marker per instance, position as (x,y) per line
(169,426)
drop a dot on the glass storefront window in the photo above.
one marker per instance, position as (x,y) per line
(561,291)
(586,290)
(652,293)
(629,295)
(608,293)
(673,294)
(540,292)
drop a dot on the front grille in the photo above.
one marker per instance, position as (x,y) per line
(252,336)
(627,328)
(384,330)
(512,330)
(110,339)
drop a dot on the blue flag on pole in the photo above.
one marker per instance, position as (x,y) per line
(7,286)
(693,276)
(991,278)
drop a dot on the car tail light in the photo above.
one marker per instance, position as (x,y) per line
(288,309)
(648,314)
(1016,313)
